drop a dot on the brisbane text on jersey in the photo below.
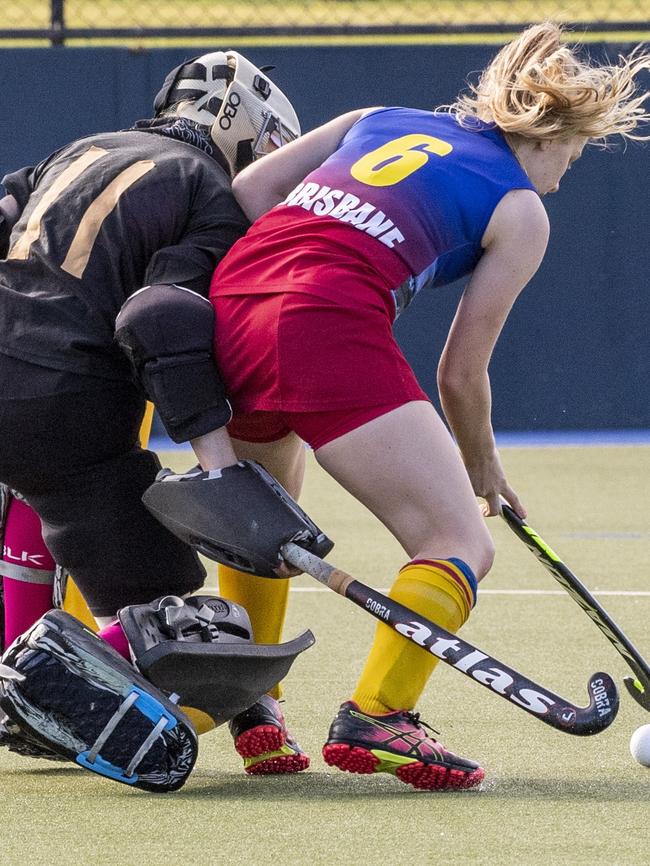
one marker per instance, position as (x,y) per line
(344,206)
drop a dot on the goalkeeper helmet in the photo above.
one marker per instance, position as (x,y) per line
(246,113)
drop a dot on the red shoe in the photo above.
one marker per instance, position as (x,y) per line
(396,743)
(262,739)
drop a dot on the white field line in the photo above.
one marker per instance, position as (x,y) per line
(614,592)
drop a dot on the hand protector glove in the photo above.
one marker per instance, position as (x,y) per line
(239,516)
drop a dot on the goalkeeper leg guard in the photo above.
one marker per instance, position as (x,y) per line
(65,690)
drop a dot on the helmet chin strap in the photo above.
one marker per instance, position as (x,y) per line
(245,155)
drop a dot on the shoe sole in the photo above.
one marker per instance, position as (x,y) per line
(426,777)
(267,744)
(278,764)
(256,741)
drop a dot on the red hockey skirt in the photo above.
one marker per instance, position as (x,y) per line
(298,362)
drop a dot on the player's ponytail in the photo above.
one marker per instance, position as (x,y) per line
(539,88)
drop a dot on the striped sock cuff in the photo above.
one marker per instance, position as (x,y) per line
(469,576)
(459,571)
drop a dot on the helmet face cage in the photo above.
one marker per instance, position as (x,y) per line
(243,109)
(272,132)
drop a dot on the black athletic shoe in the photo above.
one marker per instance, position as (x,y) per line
(262,739)
(396,743)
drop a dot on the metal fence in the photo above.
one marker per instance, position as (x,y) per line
(60,21)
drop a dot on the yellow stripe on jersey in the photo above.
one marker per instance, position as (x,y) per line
(20,249)
(91,222)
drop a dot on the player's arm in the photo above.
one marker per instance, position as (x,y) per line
(166,329)
(514,242)
(212,221)
(18,187)
(267,182)
(9,213)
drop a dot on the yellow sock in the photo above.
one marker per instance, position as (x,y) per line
(264,598)
(396,670)
(75,604)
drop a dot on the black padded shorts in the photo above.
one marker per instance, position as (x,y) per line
(70,445)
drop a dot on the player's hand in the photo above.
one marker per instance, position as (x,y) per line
(490,484)
(509,495)
(287,570)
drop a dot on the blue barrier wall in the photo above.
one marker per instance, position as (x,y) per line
(575,353)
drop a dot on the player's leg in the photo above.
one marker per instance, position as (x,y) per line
(266,599)
(102,533)
(73,601)
(149,562)
(74,455)
(26,568)
(405,468)
(86,479)
(354,362)
(260,735)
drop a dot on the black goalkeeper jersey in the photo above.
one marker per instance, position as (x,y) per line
(103,217)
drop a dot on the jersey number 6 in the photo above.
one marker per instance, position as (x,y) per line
(397,159)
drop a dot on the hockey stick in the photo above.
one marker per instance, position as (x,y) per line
(638,685)
(474,663)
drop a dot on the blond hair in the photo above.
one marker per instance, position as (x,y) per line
(539,88)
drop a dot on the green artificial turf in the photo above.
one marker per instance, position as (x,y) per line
(548,798)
